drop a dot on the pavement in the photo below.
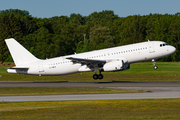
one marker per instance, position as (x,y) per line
(158,90)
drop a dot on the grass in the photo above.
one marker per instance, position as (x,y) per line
(62,91)
(146,109)
(156,109)
(167,71)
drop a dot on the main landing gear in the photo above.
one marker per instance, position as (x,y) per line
(96,76)
(154,63)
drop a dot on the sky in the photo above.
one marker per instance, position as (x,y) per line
(122,8)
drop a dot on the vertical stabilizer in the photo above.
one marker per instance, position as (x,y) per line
(19,54)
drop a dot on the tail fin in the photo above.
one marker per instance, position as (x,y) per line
(19,54)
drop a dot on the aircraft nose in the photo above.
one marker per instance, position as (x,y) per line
(173,49)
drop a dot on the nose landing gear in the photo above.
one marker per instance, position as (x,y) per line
(154,63)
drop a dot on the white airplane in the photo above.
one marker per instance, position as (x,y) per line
(110,59)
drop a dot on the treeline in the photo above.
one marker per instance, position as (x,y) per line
(63,35)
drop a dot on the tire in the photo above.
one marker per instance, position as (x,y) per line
(100,76)
(155,67)
(95,76)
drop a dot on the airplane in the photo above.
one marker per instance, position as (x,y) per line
(110,59)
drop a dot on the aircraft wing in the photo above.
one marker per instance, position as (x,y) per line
(89,62)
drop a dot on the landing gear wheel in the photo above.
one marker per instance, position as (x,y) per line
(154,63)
(95,76)
(155,67)
(100,76)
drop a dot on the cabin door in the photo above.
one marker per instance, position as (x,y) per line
(41,69)
(151,47)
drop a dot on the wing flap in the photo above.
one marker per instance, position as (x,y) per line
(86,61)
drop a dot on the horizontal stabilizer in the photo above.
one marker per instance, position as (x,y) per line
(19,68)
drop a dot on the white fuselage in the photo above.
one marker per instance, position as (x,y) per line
(130,53)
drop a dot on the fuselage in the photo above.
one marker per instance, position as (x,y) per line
(133,53)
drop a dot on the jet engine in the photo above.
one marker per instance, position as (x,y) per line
(116,66)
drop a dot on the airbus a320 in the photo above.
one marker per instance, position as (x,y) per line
(110,59)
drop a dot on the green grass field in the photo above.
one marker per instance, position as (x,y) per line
(167,71)
(150,109)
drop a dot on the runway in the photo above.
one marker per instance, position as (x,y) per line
(96,84)
(158,90)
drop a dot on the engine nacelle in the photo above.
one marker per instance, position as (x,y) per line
(116,66)
(84,68)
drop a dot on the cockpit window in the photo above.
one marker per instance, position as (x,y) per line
(164,44)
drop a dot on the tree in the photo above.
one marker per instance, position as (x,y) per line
(76,19)
(28,25)
(10,28)
(103,18)
(101,38)
(63,35)
(15,12)
(43,42)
